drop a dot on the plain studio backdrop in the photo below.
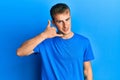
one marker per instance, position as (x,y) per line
(20,20)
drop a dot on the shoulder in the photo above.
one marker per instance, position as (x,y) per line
(81,37)
(47,40)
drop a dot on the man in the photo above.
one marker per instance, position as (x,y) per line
(65,55)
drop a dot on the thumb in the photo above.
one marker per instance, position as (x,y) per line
(48,23)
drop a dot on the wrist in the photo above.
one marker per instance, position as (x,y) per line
(43,35)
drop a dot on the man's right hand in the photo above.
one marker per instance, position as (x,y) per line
(50,31)
(28,46)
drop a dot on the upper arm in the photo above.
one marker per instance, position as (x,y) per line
(87,65)
(87,70)
(88,53)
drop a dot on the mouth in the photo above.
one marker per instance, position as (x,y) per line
(66,29)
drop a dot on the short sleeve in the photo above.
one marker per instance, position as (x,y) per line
(37,48)
(88,54)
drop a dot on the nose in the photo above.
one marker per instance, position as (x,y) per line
(64,24)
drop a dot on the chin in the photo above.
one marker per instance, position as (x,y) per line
(66,33)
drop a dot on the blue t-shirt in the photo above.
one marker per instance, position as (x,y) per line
(62,59)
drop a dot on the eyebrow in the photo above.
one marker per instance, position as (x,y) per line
(67,18)
(62,20)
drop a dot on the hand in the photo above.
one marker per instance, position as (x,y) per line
(50,32)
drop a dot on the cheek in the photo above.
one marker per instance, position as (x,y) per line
(59,26)
(69,23)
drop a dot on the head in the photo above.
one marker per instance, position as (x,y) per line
(61,18)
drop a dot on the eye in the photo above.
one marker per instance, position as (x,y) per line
(59,21)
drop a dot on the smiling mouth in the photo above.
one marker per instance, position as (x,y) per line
(65,30)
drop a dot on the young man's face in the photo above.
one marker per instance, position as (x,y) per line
(63,22)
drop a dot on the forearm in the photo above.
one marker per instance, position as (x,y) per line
(29,45)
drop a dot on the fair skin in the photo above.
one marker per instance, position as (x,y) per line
(87,70)
(62,22)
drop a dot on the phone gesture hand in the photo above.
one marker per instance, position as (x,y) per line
(50,31)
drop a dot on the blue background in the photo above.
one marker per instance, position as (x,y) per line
(20,20)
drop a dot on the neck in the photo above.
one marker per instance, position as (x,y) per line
(67,36)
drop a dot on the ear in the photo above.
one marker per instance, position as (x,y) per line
(53,22)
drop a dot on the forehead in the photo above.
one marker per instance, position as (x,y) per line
(62,16)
